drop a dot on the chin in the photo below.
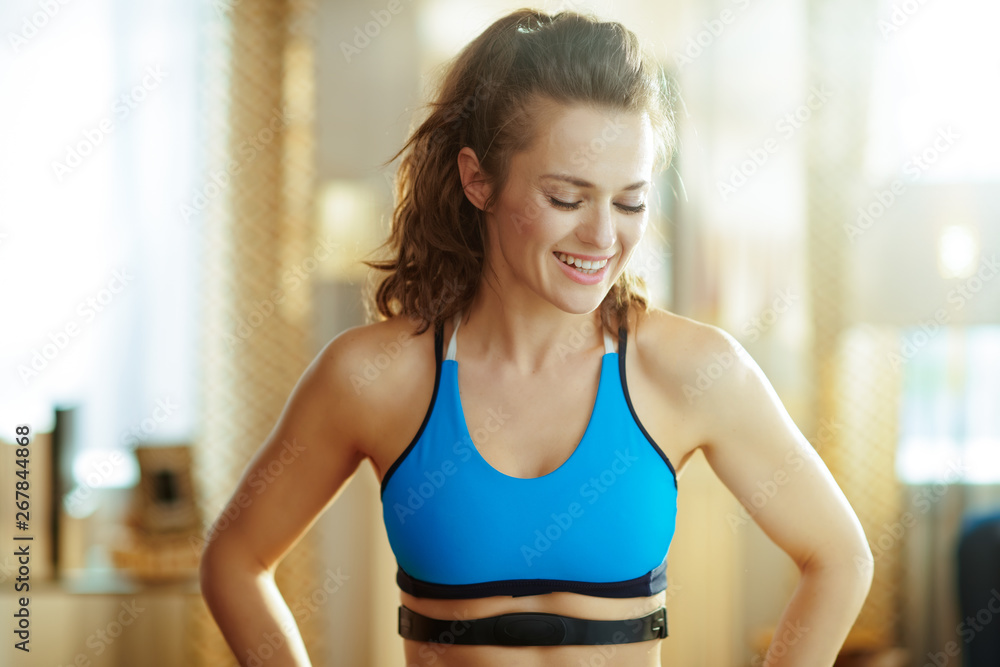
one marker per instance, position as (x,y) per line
(579,306)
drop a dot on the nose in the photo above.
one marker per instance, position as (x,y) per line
(597,228)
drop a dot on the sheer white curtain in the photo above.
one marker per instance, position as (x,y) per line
(98,281)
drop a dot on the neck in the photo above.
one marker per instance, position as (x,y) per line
(527,335)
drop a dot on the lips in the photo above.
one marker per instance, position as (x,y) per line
(584,264)
(580,275)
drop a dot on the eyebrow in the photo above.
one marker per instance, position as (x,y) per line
(579,182)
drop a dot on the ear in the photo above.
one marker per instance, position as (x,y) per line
(473,179)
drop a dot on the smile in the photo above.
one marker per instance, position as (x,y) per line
(582,265)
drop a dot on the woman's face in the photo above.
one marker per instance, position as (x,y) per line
(578,194)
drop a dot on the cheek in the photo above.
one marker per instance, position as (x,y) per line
(532,208)
(630,235)
(529,225)
(519,220)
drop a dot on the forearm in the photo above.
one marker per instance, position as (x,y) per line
(253,617)
(823,608)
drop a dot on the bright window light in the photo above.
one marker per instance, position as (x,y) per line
(935,80)
(99,272)
(958,252)
(949,422)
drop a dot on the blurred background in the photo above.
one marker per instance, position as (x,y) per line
(186,190)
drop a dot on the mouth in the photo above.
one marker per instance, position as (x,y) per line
(584,266)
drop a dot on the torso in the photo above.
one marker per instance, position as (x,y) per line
(541,410)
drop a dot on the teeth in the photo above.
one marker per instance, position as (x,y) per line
(586,265)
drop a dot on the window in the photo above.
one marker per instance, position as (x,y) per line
(935,70)
(936,66)
(98,269)
(949,417)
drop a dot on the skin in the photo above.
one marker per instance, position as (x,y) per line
(506,348)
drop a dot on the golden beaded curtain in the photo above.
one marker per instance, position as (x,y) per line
(258,224)
(855,392)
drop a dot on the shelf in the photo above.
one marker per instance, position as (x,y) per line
(105,581)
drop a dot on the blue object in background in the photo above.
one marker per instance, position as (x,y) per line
(979,589)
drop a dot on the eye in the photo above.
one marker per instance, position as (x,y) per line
(632,209)
(564,205)
(572,206)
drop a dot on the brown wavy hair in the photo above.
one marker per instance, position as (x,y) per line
(437,240)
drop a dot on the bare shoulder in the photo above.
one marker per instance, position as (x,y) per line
(362,354)
(752,444)
(722,387)
(696,367)
(677,348)
(376,370)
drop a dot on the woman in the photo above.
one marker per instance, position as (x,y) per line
(532,412)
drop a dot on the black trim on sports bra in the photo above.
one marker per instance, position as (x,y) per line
(622,339)
(642,586)
(438,344)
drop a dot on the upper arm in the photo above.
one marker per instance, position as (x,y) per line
(300,467)
(759,453)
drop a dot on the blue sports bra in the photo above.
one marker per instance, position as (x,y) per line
(600,524)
